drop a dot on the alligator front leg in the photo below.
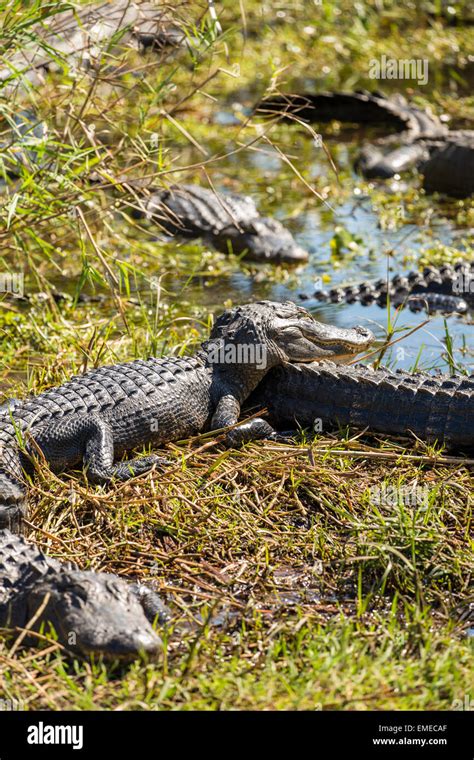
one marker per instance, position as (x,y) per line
(154,608)
(228,412)
(90,440)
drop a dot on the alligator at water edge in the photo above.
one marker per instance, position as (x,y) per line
(231,223)
(93,419)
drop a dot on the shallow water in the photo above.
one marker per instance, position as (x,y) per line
(377,243)
(314,228)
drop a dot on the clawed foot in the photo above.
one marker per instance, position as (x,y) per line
(132,468)
(154,460)
(253,431)
(281,438)
(153,607)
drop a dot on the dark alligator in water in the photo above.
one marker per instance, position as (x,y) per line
(93,419)
(81,36)
(444,157)
(448,288)
(450,166)
(90,612)
(230,222)
(432,408)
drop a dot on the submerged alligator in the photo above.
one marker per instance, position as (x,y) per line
(230,222)
(444,157)
(448,288)
(227,221)
(90,612)
(93,419)
(432,408)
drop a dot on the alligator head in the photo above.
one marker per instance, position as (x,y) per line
(284,332)
(266,239)
(93,613)
(298,337)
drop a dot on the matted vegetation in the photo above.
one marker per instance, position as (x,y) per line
(291,584)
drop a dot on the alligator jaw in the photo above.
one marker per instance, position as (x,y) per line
(293,335)
(292,255)
(140,643)
(336,344)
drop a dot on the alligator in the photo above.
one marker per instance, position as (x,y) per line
(448,288)
(450,166)
(90,612)
(444,157)
(431,408)
(84,34)
(230,222)
(93,419)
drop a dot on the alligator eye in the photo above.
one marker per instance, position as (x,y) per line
(76,596)
(363,331)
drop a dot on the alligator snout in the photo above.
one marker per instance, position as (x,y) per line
(123,644)
(339,344)
(270,241)
(361,339)
(293,255)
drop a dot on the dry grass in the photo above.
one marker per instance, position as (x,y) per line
(289,586)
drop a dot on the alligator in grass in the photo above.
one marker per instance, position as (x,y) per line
(444,157)
(90,612)
(431,408)
(93,419)
(448,288)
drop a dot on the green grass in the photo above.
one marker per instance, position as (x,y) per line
(292,588)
